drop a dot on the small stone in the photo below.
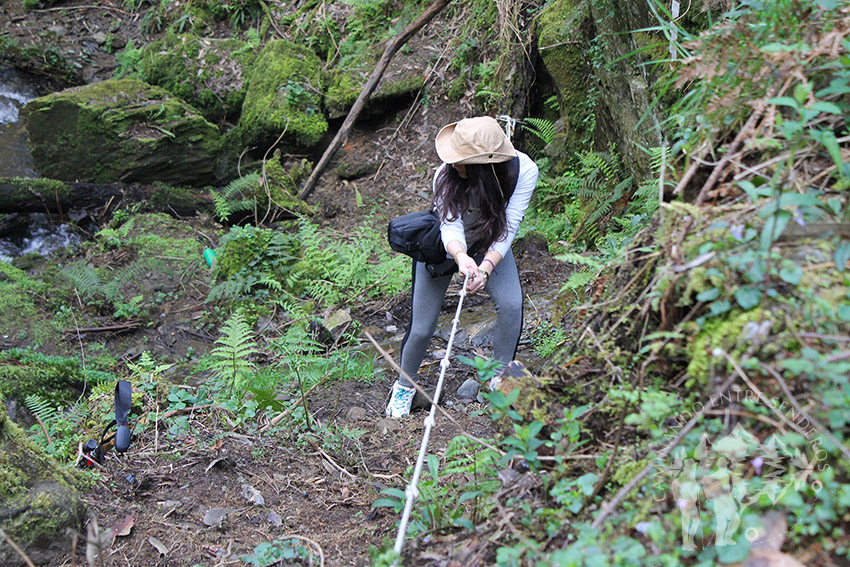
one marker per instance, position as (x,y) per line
(391,329)
(336,319)
(388,425)
(356,413)
(58,31)
(468,390)
(99,37)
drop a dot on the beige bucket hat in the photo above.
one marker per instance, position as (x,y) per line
(474,140)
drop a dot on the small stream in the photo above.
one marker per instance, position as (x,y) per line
(33,232)
(15,158)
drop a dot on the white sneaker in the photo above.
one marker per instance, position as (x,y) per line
(401,398)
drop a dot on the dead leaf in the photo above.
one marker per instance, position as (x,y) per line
(215,516)
(123,527)
(213,463)
(274,519)
(160,547)
(252,495)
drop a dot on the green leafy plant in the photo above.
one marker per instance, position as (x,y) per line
(232,362)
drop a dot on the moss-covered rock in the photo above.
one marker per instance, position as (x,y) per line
(207,73)
(283,94)
(38,499)
(120,130)
(23,373)
(344,86)
(25,321)
(563,27)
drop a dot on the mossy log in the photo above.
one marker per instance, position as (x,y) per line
(23,195)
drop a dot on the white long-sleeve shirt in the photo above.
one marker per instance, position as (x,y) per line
(514,211)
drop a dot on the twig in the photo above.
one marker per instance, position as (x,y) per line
(603,478)
(43,428)
(277,419)
(184,410)
(826,432)
(333,463)
(430,400)
(17,549)
(83,8)
(609,508)
(759,393)
(732,150)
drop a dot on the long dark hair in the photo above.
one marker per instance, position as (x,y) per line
(488,184)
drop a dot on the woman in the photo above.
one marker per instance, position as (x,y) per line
(481,192)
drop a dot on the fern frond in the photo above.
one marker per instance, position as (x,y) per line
(238,195)
(540,127)
(574,258)
(41,408)
(83,277)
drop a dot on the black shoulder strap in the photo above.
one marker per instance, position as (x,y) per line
(513,173)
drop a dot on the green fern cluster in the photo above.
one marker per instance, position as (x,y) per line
(61,424)
(260,264)
(232,362)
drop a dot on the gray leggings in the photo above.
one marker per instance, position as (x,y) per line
(428,295)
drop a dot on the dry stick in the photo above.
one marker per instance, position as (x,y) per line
(604,477)
(608,508)
(392,46)
(759,393)
(826,432)
(311,542)
(732,150)
(430,400)
(43,428)
(17,549)
(277,419)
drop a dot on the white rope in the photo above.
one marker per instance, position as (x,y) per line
(412,492)
(510,125)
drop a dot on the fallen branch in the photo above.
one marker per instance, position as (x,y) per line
(826,432)
(128,326)
(17,549)
(392,46)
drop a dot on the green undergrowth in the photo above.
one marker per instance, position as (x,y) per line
(748,286)
(259,268)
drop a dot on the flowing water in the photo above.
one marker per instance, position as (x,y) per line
(36,232)
(15,158)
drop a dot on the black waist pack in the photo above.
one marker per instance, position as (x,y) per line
(418,235)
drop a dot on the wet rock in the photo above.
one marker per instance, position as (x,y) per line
(468,390)
(121,130)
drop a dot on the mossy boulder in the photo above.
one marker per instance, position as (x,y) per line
(39,503)
(24,372)
(120,130)
(284,93)
(207,73)
(400,83)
